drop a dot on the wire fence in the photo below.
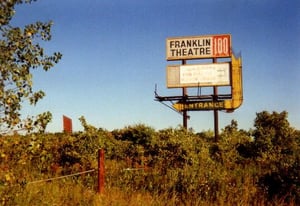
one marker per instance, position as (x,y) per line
(61,177)
(100,172)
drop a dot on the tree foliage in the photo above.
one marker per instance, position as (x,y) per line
(277,149)
(273,133)
(20,53)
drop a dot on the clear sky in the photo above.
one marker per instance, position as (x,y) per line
(114,54)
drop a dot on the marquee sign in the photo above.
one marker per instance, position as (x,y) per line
(198,47)
(198,75)
(229,105)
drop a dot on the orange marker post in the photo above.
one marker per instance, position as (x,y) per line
(101,171)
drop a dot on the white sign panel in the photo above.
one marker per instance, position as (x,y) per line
(198,75)
(198,47)
(205,74)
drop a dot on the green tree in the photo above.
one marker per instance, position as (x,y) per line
(273,134)
(231,139)
(277,154)
(20,53)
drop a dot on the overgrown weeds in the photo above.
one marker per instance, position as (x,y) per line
(148,167)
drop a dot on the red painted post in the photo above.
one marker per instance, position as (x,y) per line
(101,172)
(67,124)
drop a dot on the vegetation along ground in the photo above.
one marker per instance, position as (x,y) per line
(173,166)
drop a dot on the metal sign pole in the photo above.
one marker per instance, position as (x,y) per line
(184,95)
(216,114)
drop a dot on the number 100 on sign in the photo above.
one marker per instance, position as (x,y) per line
(221,46)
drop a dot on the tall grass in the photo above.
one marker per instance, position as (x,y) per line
(69,193)
(174,167)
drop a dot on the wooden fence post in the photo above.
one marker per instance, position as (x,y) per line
(101,172)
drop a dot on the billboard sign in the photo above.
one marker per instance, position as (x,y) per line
(198,47)
(198,75)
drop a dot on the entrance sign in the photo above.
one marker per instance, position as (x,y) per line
(202,105)
(198,75)
(198,47)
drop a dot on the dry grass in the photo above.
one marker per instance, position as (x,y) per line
(68,192)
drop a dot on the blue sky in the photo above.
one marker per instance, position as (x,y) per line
(114,54)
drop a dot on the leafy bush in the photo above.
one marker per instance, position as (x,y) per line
(256,167)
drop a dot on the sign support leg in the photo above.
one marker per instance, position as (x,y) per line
(185,115)
(216,114)
(184,95)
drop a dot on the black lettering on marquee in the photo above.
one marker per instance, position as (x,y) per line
(204,105)
(171,44)
(190,43)
(190,47)
(202,51)
(182,44)
(208,51)
(207,42)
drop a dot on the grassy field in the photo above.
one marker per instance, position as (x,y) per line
(70,193)
(148,167)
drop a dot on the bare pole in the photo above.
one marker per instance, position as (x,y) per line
(184,95)
(216,114)
(101,172)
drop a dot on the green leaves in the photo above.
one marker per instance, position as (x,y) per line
(7,9)
(273,132)
(20,52)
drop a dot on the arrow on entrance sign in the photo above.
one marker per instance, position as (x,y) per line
(236,86)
